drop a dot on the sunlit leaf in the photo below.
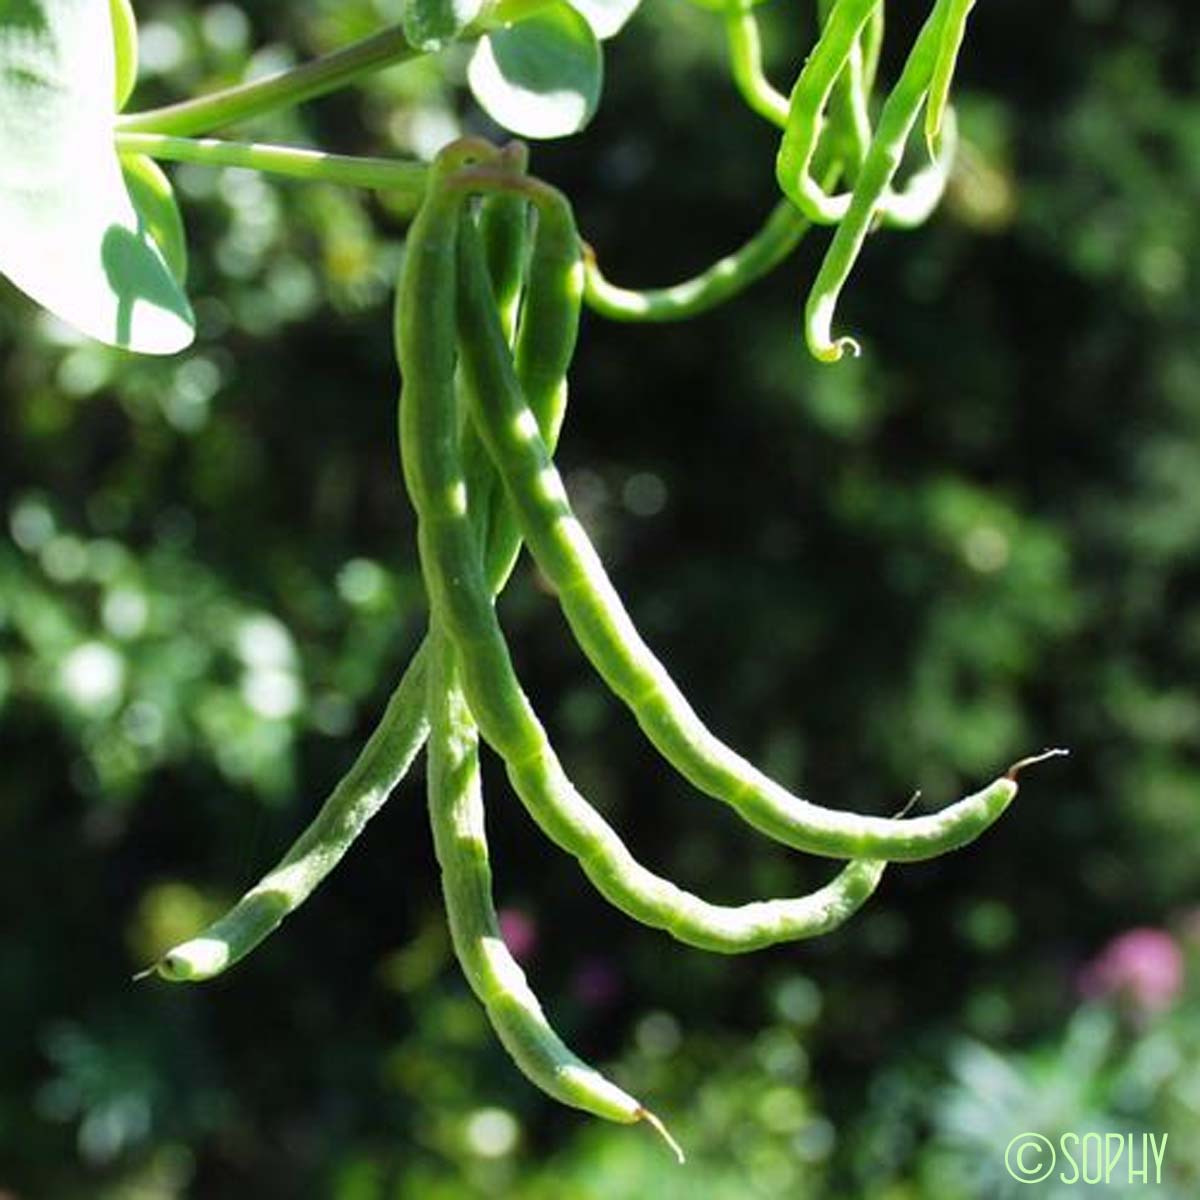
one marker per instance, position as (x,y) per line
(70,237)
(606,17)
(541,77)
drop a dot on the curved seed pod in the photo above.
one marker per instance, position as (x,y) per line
(456,815)
(849,124)
(872,47)
(360,794)
(504,227)
(545,345)
(458,594)
(953,33)
(356,799)
(810,95)
(745,61)
(914,204)
(882,161)
(839,74)
(611,642)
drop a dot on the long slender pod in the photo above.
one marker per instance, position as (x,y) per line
(838,75)
(504,219)
(612,643)
(456,815)
(872,48)
(504,226)
(746,63)
(360,794)
(545,345)
(454,578)
(379,768)
(810,95)
(849,124)
(882,161)
(953,33)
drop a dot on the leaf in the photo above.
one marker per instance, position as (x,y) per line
(606,17)
(154,199)
(70,237)
(541,77)
(431,25)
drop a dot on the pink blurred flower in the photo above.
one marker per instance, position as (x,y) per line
(1141,966)
(519,932)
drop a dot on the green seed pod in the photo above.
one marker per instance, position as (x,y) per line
(425,334)
(879,168)
(745,61)
(504,227)
(357,798)
(460,841)
(454,580)
(612,643)
(828,61)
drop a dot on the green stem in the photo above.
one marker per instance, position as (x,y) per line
(282,90)
(778,237)
(333,71)
(404,180)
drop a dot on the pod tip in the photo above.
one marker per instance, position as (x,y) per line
(909,805)
(663,1132)
(1033,759)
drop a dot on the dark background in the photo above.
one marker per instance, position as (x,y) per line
(906,571)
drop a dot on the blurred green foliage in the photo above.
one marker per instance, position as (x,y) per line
(906,571)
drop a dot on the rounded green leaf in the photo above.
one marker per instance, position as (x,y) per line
(430,25)
(125,45)
(154,202)
(70,237)
(541,77)
(606,17)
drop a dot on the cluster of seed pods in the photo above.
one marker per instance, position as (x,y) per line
(487,317)
(827,136)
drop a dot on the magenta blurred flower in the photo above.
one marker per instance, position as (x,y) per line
(1141,966)
(519,932)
